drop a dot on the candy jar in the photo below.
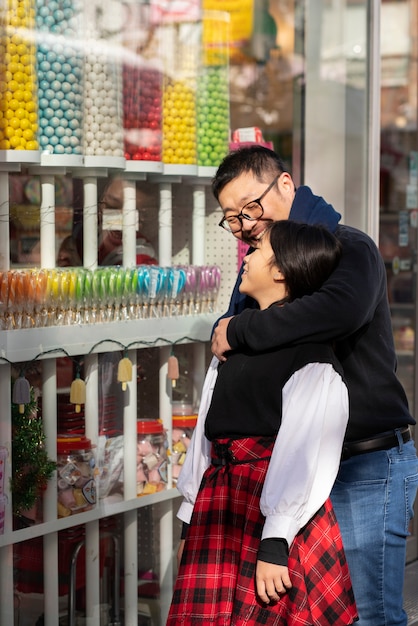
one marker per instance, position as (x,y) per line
(142,86)
(103,134)
(179,94)
(76,475)
(183,427)
(152,457)
(212,102)
(18,85)
(60,76)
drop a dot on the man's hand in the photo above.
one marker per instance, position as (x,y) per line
(220,343)
(272,581)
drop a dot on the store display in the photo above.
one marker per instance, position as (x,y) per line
(33,298)
(152,457)
(18,85)
(76,475)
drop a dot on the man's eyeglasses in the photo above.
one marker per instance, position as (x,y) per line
(251,211)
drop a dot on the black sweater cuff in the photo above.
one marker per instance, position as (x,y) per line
(275,551)
(184,530)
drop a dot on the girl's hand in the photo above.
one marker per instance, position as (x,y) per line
(271,581)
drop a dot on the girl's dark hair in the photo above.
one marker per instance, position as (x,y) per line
(306,255)
(260,161)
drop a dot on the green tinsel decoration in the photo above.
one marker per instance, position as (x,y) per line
(31,467)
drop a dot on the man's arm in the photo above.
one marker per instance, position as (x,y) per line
(345,303)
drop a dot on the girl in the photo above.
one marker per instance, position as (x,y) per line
(262,545)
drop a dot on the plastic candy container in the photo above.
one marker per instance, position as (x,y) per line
(183,427)
(76,475)
(18,84)
(152,457)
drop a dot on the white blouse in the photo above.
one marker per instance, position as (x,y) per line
(306,455)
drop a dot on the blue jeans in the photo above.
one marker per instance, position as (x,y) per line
(373,499)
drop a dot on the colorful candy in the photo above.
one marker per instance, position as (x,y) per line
(18,88)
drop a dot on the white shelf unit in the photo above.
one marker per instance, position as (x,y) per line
(25,345)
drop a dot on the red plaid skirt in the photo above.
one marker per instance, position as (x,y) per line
(216,578)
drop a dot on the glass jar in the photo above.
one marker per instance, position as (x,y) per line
(152,457)
(183,427)
(76,475)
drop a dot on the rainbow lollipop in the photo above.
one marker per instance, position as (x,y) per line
(81,274)
(88,297)
(41,312)
(4,298)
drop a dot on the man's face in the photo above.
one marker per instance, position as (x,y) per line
(276,203)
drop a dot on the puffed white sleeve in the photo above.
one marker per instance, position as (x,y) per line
(198,453)
(307,451)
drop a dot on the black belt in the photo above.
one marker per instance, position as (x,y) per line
(384,441)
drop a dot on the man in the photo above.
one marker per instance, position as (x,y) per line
(377,482)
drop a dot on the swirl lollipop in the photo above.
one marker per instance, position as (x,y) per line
(40,310)
(52,296)
(70,314)
(81,273)
(189,293)
(95,296)
(152,284)
(17,297)
(122,292)
(214,282)
(131,286)
(176,283)
(140,292)
(87,305)
(4,300)
(112,310)
(64,277)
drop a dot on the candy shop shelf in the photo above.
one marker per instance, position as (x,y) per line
(103,510)
(26,344)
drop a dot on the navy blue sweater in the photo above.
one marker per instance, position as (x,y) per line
(351,308)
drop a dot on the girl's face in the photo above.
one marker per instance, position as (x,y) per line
(260,279)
